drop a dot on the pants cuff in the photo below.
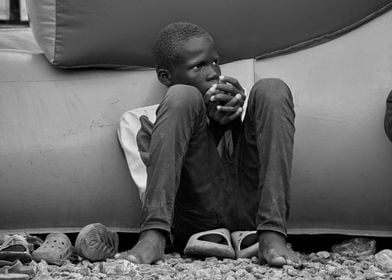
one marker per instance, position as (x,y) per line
(275,229)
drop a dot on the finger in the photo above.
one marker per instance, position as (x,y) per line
(228,88)
(220,97)
(209,93)
(231,80)
(236,114)
(232,91)
(219,117)
(226,109)
(237,100)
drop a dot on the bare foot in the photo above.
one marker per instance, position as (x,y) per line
(149,249)
(273,250)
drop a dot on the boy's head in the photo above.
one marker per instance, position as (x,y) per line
(184,53)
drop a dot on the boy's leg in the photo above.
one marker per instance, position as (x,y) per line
(181,147)
(265,157)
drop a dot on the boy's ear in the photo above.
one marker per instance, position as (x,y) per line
(164,76)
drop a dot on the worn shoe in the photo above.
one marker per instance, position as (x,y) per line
(209,243)
(56,249)
(15,247)
(96,242)
(17,267)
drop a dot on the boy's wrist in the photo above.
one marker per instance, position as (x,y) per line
(216,126)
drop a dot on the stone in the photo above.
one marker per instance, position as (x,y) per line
(323,254)
(384,260)
(118,267)
(356,247)
(290,270)
(211,259)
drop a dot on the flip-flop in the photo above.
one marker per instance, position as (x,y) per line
(14,276)
(96,242)
(33,241)
(56,249)
(5,263)
(15,247)
(202,244)
(17,267)
(245,243)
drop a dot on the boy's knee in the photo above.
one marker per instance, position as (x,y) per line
(184,97)
(272,90)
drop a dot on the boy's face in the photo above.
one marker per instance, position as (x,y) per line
(197,64)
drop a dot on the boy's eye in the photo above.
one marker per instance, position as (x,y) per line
(197,67)
(201,65)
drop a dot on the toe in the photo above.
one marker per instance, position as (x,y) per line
(133,259)
(295,262)
(277,261)
(122,255)
(127,256)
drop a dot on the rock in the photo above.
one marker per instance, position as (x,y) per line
(356,247)
(373,274)
(323,254)
(225,268)
(118,267)
(330,269)
(384,260)
(290,271)
(241,272)
(229,276)
(211,259)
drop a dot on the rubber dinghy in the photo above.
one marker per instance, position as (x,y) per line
(66,81)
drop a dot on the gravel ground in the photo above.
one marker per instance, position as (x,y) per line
(354,259)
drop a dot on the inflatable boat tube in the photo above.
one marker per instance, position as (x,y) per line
(342,168)
(61,166)
(120,33)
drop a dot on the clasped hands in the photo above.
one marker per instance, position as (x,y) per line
(224,100)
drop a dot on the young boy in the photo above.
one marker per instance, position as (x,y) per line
(190,186)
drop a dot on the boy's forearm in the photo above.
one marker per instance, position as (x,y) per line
(217,130)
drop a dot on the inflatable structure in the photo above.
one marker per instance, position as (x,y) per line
(65,83)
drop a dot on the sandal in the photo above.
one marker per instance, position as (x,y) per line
(245,243)
(17,267)
(14,276)
(56,249)
(210,243)
(96,242)
(15,247)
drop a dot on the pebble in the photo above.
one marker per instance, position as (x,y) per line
(356,247)
(323,254)
(384,260)
(118,267)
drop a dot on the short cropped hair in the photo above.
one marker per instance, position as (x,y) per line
(170,39)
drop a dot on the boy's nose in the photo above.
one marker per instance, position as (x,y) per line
(213,73)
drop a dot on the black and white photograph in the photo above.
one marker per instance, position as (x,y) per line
(195,140)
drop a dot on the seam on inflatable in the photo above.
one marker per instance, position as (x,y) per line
(354,232)
(328,36)
(43,230)
(55,33)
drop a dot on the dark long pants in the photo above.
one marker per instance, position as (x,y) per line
(192,188)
